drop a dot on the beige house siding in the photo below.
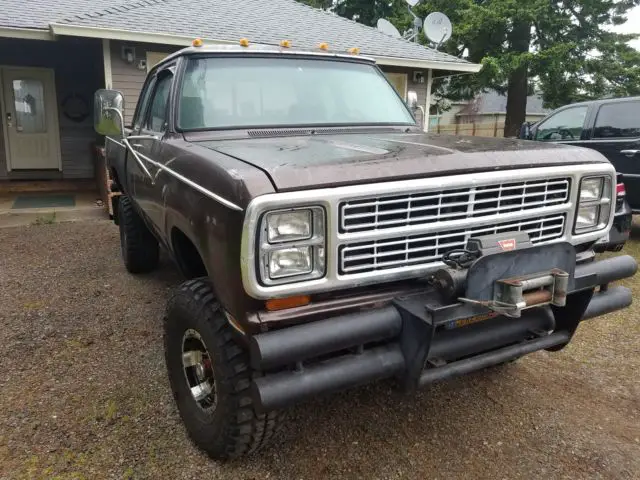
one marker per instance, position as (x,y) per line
(76,72)
(129,77)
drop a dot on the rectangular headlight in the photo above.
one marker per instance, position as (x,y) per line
(290,261)
(289,226)
(291,245)
(587,217)
(594,204)
(591,189)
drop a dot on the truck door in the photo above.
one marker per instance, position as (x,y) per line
(616,134)
(148,145)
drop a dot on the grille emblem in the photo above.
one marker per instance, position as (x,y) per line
(507,245)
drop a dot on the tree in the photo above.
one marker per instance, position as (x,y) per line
(561,48)
(564,49)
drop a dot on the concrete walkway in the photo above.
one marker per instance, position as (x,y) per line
(85,209)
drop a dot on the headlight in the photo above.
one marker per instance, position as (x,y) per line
(594,206)
(289,226)
(291,245)
(591,189)
(290,261)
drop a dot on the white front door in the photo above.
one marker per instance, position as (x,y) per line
(30,118)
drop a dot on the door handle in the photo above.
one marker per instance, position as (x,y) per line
(137,145)
(629,153)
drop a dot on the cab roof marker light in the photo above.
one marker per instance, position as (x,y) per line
(354,51)
(197,42)
(324,46)
(244,42)
(285,43)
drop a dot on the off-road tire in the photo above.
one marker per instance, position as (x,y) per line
(140,249)
(234,428)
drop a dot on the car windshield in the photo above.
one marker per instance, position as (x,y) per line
(260,92)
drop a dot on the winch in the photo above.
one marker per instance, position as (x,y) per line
(487,272)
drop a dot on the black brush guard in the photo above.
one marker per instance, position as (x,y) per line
(419,339)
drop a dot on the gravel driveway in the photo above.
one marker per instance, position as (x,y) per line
(84,392)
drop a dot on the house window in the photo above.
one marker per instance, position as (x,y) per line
(399,82)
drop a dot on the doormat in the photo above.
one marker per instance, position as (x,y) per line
(43,201)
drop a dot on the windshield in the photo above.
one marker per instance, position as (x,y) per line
(275,92)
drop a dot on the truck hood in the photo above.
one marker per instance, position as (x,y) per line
(316,161)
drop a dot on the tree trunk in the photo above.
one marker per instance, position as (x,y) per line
(518,87)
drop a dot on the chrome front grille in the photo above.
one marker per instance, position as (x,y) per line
(423,249)
(392,211)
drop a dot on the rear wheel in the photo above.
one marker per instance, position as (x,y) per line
(140,249)
(210,376)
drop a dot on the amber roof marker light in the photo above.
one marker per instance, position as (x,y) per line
(197,42)
(244,42)
(324,46)
(285,43)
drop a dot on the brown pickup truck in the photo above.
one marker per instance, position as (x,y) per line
(328,242)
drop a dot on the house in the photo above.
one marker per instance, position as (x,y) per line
(54,55)
(492,107)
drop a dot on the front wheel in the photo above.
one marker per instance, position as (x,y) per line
(140,249)
(210,376)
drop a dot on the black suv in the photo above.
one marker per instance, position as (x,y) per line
(612,127)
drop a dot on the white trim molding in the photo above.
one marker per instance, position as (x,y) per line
(427,107)
(127,36)
(26,33)
(428,64)
(106,58)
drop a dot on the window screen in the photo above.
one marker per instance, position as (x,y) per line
(618,120)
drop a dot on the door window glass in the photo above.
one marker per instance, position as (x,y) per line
(142,105)
(564,125)
(28,98)
(618,120)
(156,120)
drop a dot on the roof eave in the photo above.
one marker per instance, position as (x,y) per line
(183,40)
(25,33)
(466,67)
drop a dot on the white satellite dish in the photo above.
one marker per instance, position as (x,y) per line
(437,27)
(385,26)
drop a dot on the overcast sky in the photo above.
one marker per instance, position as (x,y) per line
(632,26)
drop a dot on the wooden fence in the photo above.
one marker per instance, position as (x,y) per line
(484,129)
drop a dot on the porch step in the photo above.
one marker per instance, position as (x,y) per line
(8,187)
(84,208)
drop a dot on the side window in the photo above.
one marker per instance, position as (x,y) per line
(157,115)
(143,102)
(618,120)
(564,125)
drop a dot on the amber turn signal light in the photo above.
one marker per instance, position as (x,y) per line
(289,302)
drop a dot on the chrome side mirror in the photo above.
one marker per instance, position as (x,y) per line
(412,103)
(412,100)
(107,113)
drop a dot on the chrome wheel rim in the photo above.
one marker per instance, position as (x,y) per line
(197,366)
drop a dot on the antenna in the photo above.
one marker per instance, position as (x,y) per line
(412,33)
(437,28)
(386,27)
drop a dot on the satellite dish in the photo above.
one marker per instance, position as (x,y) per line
(413,3)
(385,26)
(437,27)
